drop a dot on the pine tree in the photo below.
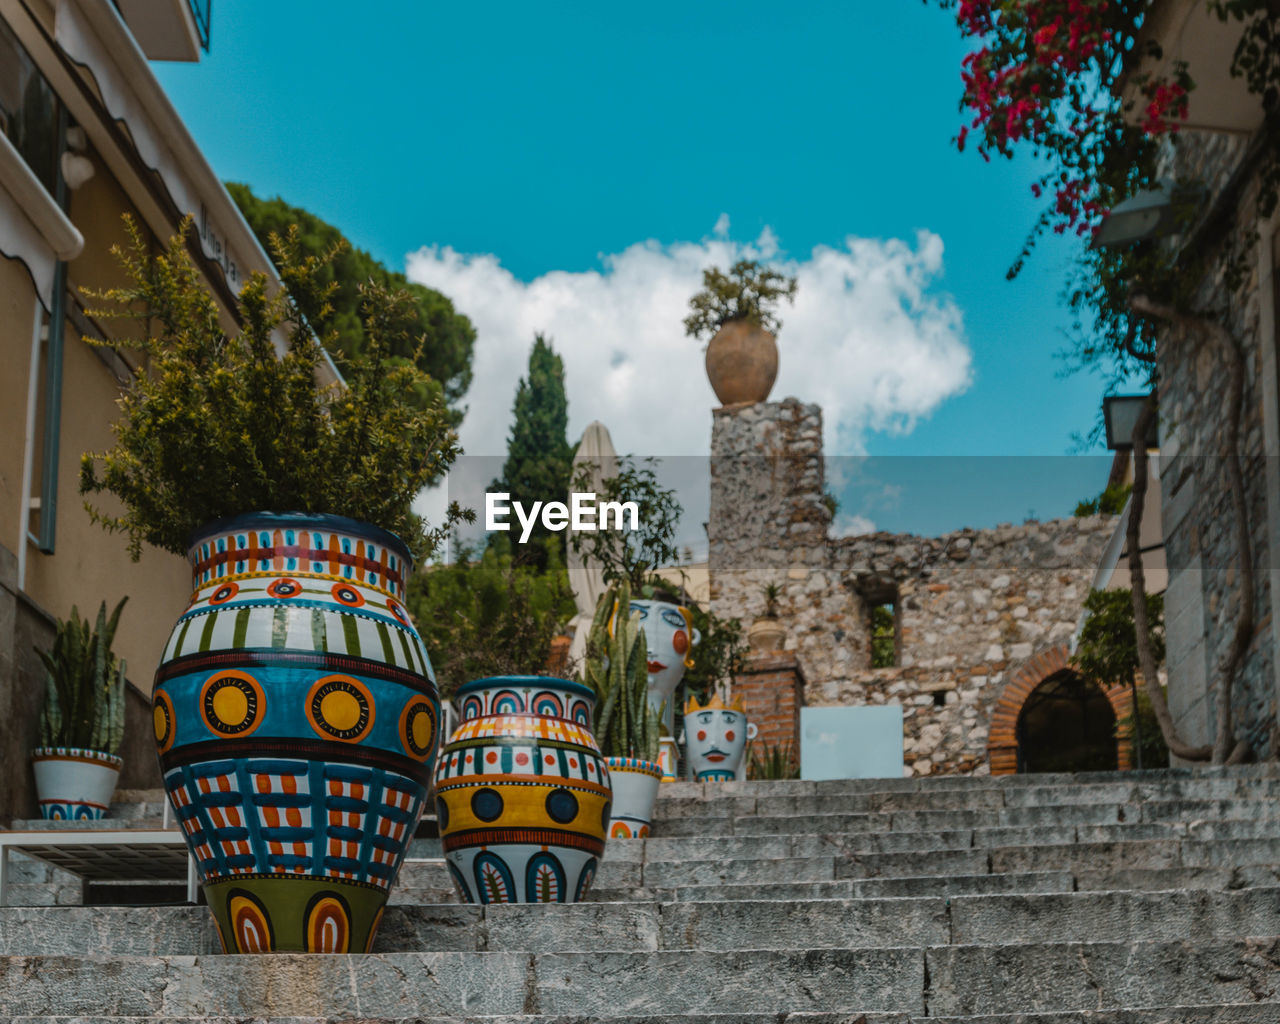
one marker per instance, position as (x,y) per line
(539,457)
(449,335)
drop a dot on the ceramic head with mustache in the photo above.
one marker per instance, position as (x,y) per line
(716,735)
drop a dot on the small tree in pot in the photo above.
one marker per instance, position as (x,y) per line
(82,724)
(293,500)
(736,312)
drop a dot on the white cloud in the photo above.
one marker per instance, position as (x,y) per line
(845,525)
(869,338)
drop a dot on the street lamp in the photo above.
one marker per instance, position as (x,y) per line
(1148,214)
(1120,414)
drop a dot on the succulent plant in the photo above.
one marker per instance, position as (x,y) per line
(617,669)
(84,686)
(772,594)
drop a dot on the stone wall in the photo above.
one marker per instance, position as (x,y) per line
(1203,598)
(972,605)
(23,627)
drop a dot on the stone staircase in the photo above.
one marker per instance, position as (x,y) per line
(1135,898)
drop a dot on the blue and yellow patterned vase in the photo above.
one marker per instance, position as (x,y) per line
(522,793)
(295,715)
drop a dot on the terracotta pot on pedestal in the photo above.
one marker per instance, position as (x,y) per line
(742,362)
(767,635)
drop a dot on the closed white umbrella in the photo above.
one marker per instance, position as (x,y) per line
(598,457)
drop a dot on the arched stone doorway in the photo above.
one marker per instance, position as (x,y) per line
(1050,669)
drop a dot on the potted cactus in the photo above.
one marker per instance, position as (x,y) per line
(81,727)
(627,726)
(736,311)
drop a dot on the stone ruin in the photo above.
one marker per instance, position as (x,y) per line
(981,617)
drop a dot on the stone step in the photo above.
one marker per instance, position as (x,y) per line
(938,981)
(958,794)
(722,924)
(1155,812)
(1222,1013)
(844,863)
(1212,863)
(153,823)
(806,844)
(904,829)
(871,888)
(685,789)
(954,791)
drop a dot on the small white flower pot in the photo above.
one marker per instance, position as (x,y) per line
(635,788)
(74,784)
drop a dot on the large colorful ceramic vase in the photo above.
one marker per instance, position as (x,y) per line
(522,793)
(668,629)
(715,736)
(295,714)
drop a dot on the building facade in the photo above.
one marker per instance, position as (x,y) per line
(1224,147)
(87,136)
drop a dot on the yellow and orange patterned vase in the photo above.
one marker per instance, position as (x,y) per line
(295,717)
(522,794)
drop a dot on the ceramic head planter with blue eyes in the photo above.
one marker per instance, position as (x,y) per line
(668,628)
(716,736)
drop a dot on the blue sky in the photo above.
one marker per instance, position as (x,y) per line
(545,141)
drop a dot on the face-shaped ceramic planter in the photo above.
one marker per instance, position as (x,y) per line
(715,737)
(669,633)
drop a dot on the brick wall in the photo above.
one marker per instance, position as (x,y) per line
(772,690)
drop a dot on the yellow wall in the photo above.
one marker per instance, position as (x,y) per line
(90,565)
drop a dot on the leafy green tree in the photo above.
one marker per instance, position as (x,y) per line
(884,641)
(539,456)
(627,554)
(750,292)
(718,657)
(1107,654)
(449,336)
(1109,503)
(489,614)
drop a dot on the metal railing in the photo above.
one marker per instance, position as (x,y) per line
(202,13)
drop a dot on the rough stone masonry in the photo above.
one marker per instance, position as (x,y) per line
(972,607)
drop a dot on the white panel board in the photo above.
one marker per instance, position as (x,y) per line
(851,742)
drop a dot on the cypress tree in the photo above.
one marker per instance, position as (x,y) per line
(539,456)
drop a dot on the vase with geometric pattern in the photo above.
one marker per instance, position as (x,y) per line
(296,715)
(522,794)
